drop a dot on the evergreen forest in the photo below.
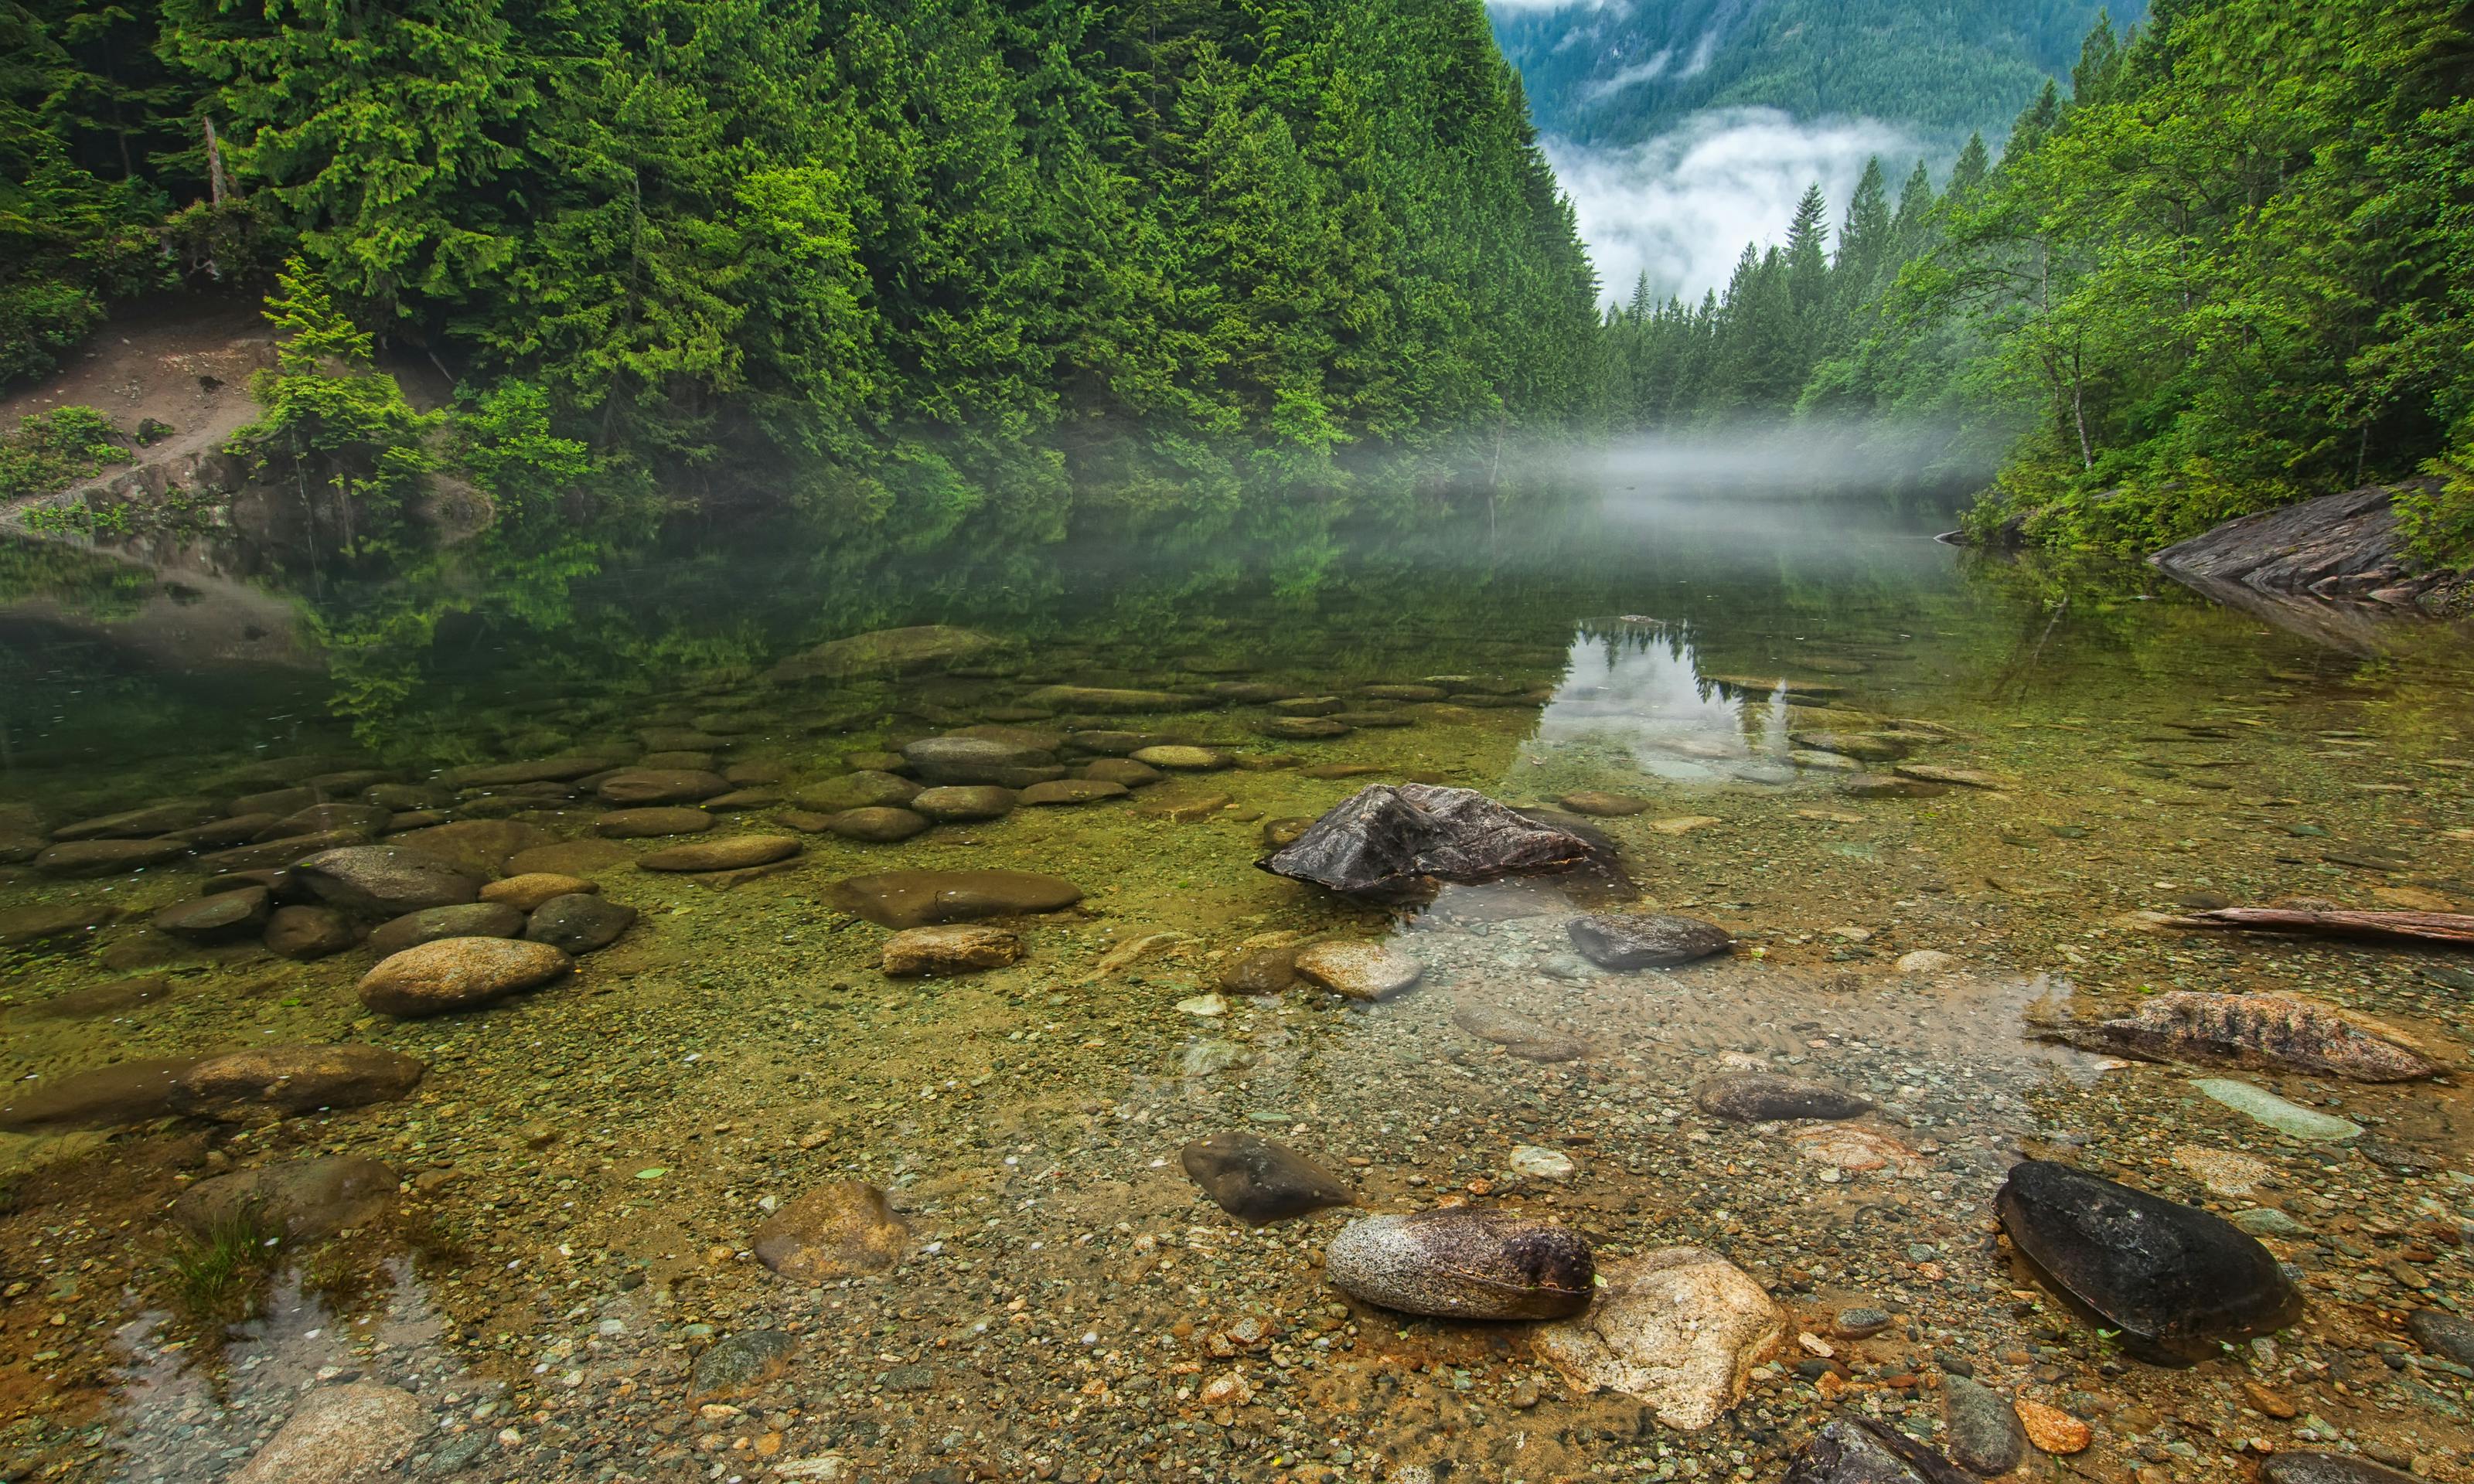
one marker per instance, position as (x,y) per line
(2229,266)
(894,258)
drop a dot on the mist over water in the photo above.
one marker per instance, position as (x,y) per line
(1811,459)
(1681,207)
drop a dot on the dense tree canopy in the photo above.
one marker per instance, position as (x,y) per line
(2232,266)
(892,255)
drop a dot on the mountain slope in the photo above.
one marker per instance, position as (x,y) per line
(1626,70)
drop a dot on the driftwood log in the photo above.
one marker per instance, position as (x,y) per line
(2446,930)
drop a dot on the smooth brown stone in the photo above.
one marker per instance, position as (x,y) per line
(100,1097)
(528,890)
(459,973)
(268,1081)
(107,857)
(952,948)
(306,933)
(841,1229)
(631,788)
(877,827)
(916,898)
(651,823)
(470,920)
(732,852)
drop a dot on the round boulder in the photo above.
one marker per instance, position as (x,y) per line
(265,1081)
(459,973)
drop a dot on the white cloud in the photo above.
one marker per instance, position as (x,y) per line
(1680,206)
(1625,77)
(1530,7)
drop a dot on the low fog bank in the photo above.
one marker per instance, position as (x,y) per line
(1682,207)
(1918,461)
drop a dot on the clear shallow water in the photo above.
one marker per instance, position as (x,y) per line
(585,1166)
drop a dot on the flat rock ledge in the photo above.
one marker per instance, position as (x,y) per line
(2338,547)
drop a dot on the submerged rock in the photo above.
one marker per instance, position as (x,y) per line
(2274,1031)
(986,761)
(384,881)
(471,920)
(459,973)
(954,804)
(1396,842)
(731,852)
(1980,1428)
(529,891)
(2443,1333)
(741,1364)
(916,898)
(1071,791)
(1761,1098)
(1255,1180)
(1645,940)
(1853,1449)
(2306,1467)
(1097,698)
(222,917)
(307,933)
(2175,1281)
(958,948)
(1677,1328)
(1605,806)
(158,819)
(652,824)
(1358,971)
(578,924)
(868,789)
(840,1229)
(885,826)
(43,921)
(1518,1035)
(303,1199)
(2291,1119)
(886,652)
(1463,1262)
(350,1434)
(81,858)
(1262,971)
(636,787)
(481,847)
(269,1081)
(100,1097)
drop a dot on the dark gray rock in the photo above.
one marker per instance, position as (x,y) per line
(1645,940)
(957,760)
(270,1081)
(2177,1281)
(579,924)
(1398,843)
(2443,1333)
(107,857)
(303,1199)
(1758,1097)
(471,920)
(223,918)
(1463,1262)
(963,804)
(2310,1468)
(741,1364)
(306,933)
(1984,1436)
(1255,1180)
(915,899)
(2345,546)
(1854,1450)
(384,881)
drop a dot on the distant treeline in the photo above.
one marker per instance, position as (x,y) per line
(894,256)
(2233,267)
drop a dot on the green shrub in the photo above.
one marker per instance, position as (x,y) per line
(51,449)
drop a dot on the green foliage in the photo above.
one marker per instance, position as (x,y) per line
(2234,266)
(214,1276)
(335,429)
(893,259)
(51,449)
(2437,516)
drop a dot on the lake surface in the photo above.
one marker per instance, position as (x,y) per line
(583,1169)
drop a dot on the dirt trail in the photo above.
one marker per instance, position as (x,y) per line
(184,363)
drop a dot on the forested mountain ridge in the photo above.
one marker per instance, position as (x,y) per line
(2231,267)
(1615,74)
(894,255)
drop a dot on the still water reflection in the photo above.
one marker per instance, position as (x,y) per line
(1937,801)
